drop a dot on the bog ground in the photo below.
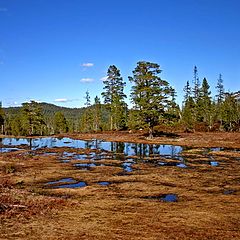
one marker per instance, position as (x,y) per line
(180,187)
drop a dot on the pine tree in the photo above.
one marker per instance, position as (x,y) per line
(114,96)
(220,90)
(86,120)
(188,114)
(150,94)
(16,126)
(230,114)
(173,111)
(97,113)
(32,118)
(187,91)
(60,123)
(205,110)
(1,119)
(220,97)
(196,85)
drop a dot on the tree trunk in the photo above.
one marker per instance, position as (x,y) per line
(150,131)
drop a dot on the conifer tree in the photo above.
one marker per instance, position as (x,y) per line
(230,113)
(220,90)
(173,111)
(32,118)
(187,91)
(1,119)
(188,114)
(97,113)
(150,94)
(60,123)
(114,96)
(220,97)
(196,85)
(205,110)
(86,121)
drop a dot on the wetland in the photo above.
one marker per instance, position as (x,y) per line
(120,186)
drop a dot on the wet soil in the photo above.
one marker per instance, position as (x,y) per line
(153,201)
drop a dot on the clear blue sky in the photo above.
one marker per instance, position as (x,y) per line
(55,50)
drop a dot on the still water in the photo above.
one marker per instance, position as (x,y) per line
(127,149)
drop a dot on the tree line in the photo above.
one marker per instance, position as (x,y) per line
(153,104)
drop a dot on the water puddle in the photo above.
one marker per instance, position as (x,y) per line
(73,185)
(173,164)
(104,183)
(68,154)
(164,197)
(85,165)
(66,183)
(6,150)
(127,166)
(214,163)
(63,180)
(229,191)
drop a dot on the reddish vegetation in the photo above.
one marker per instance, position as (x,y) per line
(199,139)
(207,206)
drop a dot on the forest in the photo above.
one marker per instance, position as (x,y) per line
(153,105)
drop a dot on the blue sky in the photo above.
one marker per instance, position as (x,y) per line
(55,50)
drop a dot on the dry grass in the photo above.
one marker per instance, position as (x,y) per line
(208,205)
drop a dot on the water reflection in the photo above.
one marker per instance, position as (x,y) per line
(119,148)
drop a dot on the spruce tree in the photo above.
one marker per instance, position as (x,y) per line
(1,119)
(196,85)
(220,90)
(187,91)
(230,113)
(205,110)
(97,113)
(114,96)
(86,121)
(172,113)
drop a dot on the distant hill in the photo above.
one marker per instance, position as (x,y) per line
(49,110)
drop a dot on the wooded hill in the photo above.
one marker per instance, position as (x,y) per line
(49,110)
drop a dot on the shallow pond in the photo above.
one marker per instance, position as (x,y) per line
(119,148)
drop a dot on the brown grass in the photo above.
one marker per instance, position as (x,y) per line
(207,207)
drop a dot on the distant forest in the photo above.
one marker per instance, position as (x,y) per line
(153,106)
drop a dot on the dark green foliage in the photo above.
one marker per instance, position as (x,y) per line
(187,91)
(1,119)
(114,96)
(150,94)
(230,113)
(196,85)
(97,110)
(204,104)
(60,123)
(188,114)
(172,114)
(134,120)
(16,125)
(32,119)
(220,90)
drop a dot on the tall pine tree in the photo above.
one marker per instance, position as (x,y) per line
(150,94)
(114,96)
